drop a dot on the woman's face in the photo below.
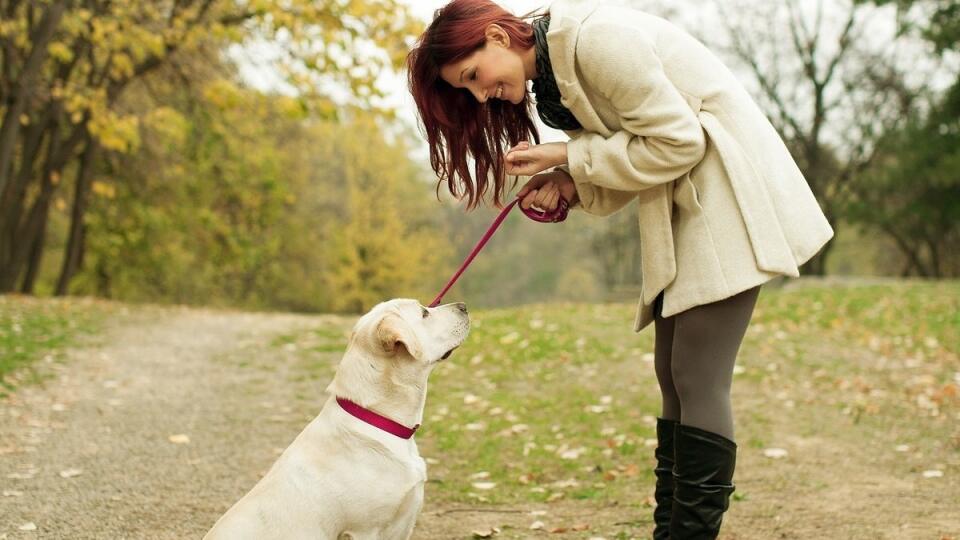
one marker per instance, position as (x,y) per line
(494,71)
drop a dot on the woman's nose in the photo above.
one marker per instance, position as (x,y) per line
(480,94)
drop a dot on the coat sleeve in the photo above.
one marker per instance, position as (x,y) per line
(661,138)
(600,201)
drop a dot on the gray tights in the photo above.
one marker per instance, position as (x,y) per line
(694,354)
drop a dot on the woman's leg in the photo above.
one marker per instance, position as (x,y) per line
(666,424)
(706,340)
(662,353)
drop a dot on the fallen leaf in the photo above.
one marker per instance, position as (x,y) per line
(510,338)
(536,525)
(775,453)
(484,485)
(179,439)
(573,453)
(486,533)
(28,526)
(70,473)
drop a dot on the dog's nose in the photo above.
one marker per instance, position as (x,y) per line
(461,306)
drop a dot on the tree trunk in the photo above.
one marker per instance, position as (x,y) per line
(10,127)
(909,250)
(12,201)
(27,235)
(73,253)
(51,168)
(36,256)
(22,237)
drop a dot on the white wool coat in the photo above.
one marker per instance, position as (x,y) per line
(723,206)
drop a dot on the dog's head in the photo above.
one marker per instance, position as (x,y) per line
(398,342)
(404,329)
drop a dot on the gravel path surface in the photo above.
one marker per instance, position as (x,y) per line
(88,454)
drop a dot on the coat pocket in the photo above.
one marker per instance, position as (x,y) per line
(685,196)
(770,247)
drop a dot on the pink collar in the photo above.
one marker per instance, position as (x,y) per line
(377,420)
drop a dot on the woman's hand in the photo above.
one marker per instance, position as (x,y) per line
(526,160)
(544,191)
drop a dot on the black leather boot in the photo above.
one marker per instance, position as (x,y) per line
(703,482)
(664,472)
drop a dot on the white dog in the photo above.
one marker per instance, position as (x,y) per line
(354,472)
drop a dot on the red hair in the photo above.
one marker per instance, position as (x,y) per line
(458,126)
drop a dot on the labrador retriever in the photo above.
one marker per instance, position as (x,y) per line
(354,472)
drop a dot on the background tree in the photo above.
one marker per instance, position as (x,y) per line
(65,64)
(911,193)
(833,80)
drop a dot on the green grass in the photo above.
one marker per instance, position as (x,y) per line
(558,401)
(36,330)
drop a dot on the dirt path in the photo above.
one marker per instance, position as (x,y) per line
(88,454)
(109,412)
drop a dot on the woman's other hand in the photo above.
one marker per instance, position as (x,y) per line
(526,160)
(544,191)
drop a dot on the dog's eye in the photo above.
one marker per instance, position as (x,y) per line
(425,313)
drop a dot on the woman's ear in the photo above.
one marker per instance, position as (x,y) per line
(498,35)
(392,331)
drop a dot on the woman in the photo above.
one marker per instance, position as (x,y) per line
(652,115)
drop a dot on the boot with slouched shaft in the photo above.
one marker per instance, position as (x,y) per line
(703,482)
(663,493)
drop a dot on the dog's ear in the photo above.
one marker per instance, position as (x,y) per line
(393,331)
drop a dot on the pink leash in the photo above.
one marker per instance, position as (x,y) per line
(557,215)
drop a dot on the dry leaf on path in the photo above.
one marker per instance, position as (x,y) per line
(70,473)
(775,453)
(486,533)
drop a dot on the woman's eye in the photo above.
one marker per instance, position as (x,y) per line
(425,313)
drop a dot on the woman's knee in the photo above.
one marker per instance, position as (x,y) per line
(702,364)
(700,387)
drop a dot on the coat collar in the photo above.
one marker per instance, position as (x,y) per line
(566,17)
